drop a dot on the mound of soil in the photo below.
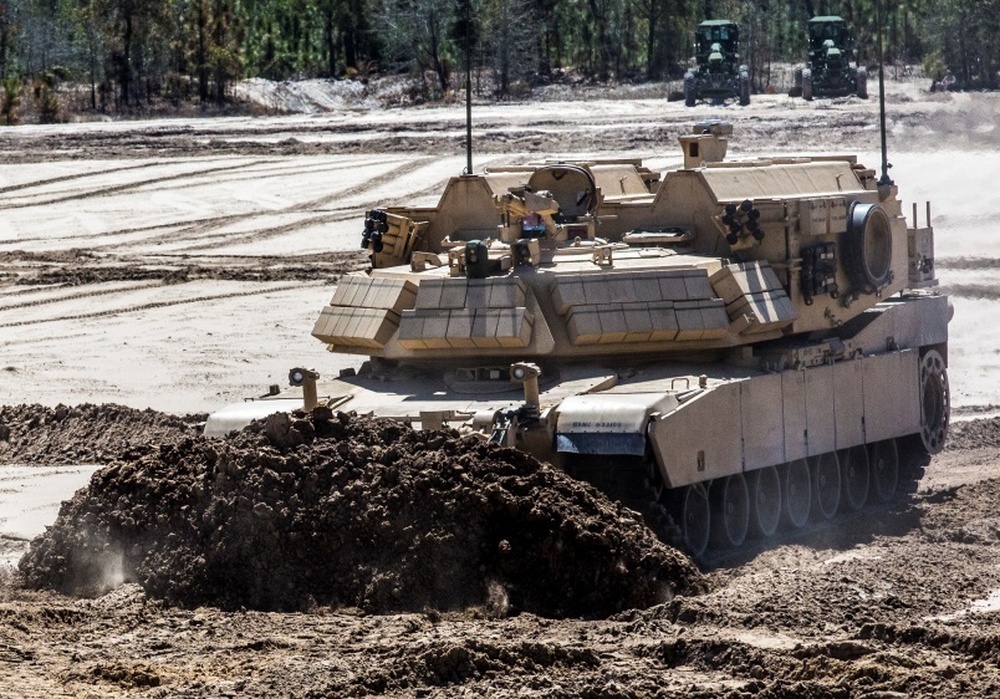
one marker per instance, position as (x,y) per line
(86,433)
(333,509)
(973,434)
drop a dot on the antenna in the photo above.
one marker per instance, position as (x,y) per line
(468,89)
(884,181)
(468,113)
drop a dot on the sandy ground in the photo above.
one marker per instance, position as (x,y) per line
(266,212)
(180,264)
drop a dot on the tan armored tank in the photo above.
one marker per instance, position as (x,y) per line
(734,345)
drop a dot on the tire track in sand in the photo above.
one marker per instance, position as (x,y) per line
(104,191)
(205,298)
(335,215)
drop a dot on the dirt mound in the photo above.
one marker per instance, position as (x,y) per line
(352,512)
(86,433)
(983,432)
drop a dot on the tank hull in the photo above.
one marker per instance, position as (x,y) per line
(673,426)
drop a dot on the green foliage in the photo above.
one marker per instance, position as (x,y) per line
(46,101)
(133,52)
(10,101)
(934,65)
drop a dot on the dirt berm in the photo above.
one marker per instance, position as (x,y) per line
(94,434)
(337,510)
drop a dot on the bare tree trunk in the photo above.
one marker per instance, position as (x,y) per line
(202,55)
(438,63)
(4,41)
(329,41)
(221,43)
(652,24)
(350,29)
(125,74)
(92,59)
(601,25)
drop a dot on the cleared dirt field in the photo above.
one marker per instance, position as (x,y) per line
(179,266)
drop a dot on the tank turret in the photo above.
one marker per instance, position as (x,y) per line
(567,260)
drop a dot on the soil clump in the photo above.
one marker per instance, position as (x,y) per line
(342,511)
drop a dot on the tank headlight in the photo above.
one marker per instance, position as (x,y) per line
(524,372)
(298,376)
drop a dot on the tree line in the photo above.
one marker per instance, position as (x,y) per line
(129,53)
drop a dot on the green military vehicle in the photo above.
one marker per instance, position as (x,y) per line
(718,75)
(829,72)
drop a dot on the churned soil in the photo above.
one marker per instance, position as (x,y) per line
(342,511)
(93,434)
(974,434)
(339,556)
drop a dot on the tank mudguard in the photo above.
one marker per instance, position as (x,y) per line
(607,424)
(236,416)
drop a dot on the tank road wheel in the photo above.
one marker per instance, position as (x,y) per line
(935,402)
(796,89)
(826,484)
(696,519)
(655,486)
(690,90)
(730,512)
(744,84)
(854,477)
(861,78)
(883,459)
(796,492)
(807,84)
(765,501)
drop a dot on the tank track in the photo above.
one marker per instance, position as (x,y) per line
(635,483)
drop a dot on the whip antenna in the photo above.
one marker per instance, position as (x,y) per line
(884,181)
(468,116)
(467,22)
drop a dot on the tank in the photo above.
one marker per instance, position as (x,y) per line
(729,347)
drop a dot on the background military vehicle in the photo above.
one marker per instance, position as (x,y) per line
(718,75)
(726,347)
(828,71)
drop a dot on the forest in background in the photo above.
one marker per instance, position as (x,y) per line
(127,55)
